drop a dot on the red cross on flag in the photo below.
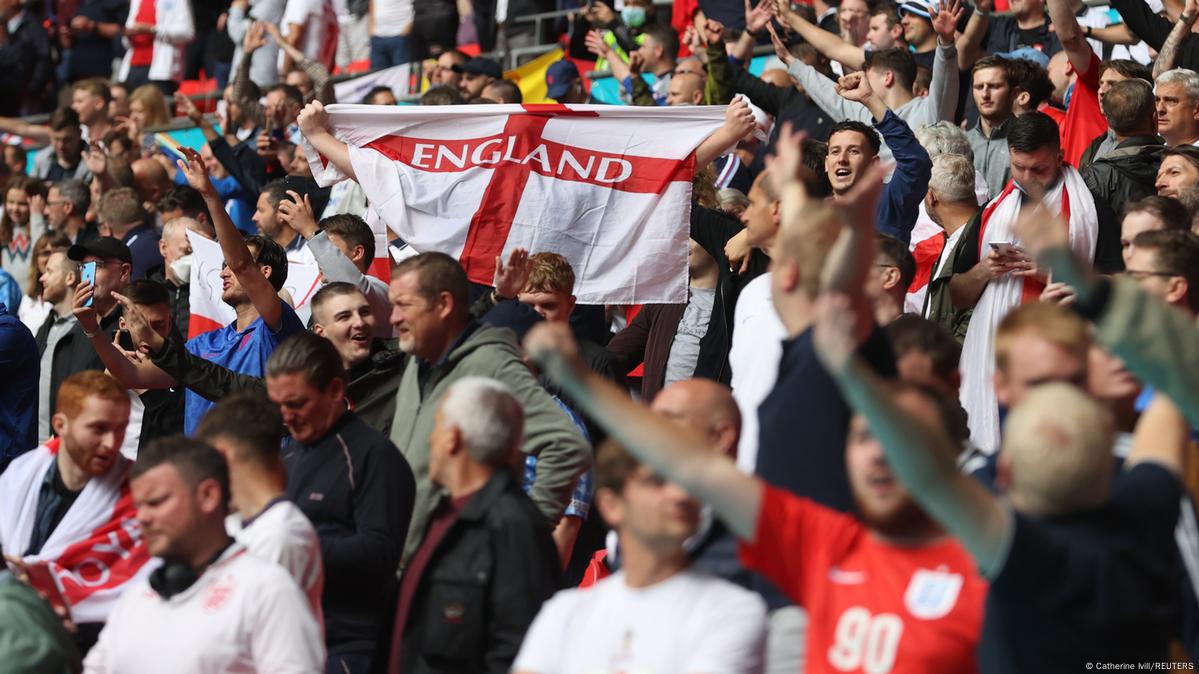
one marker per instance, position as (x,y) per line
(608,187)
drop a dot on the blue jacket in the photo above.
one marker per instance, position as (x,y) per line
(18,396)
(900,203)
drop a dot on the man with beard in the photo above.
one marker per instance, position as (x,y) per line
(66,503)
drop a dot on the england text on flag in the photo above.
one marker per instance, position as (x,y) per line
(608,188)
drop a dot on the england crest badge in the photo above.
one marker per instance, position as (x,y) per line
(932,594)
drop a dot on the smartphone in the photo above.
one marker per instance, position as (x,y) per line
(1006,249)
(43,581)
(125,340)
(88,275)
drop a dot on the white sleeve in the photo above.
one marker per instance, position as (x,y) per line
(284,635)
(541,652)
(296,11)
(731,639)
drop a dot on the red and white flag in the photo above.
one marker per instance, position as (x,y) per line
(608,187)
(209,311)
(95,551)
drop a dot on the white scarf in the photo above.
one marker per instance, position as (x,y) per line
(97,548)
(1073,201)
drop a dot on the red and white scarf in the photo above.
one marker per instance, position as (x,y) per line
(1073,202)
(97,548)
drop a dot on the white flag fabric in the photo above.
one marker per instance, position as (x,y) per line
(608,187)
(95,552)
(396,78)
(209,312)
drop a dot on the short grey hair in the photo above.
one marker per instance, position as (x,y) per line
(488,416)
(169,229)
(1189,80)
(944,138)
(952,178)
(77,193)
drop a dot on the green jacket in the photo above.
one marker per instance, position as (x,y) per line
(938,304)
(1158,343)
(33,639)
(562,453)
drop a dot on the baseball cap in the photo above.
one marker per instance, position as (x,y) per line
(480,66)
(920,9)
(104,247)
(559,78)
(1028,54)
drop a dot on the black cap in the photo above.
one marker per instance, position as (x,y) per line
(480,66)
(104,247)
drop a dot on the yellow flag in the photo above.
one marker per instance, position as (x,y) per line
(531,77)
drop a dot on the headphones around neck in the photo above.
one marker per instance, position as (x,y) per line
(174,576)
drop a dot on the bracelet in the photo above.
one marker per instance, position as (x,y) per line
(89,335)
(1183,18)
(1088,31)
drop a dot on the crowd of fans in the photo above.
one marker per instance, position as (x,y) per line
(928,407)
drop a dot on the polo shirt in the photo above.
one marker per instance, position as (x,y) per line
(245,352)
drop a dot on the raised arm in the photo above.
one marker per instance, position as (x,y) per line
(137,373)
(1065,23)
(314,124)
(832,46)
(237,254)
(36,132)
(738,120)
(1162,436)
(1167,57)
(943,89)
(673,452)
(921,455)
(970,42)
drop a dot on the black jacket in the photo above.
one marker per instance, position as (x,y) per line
(73,353)
(494,567)
(374,382)
(1122,176)
(357,490)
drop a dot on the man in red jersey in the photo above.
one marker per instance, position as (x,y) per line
(887,591)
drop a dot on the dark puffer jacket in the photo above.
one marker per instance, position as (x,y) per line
(1122,176)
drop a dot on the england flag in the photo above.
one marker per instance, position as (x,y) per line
(608,187)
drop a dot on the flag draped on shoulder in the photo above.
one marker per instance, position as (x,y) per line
(95,551)
(607,187)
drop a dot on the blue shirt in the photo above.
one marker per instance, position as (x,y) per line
(245,352)
(18,395)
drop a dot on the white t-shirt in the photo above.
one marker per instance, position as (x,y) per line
(282,534)
(319,20)
(242,615)
(757,347)
(689,623)
(392,17)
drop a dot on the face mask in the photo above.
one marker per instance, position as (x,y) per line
(182,268)
(634,17)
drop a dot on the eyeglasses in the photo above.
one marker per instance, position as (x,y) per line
(1139,274)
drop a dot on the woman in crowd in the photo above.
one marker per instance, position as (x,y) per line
(18,229)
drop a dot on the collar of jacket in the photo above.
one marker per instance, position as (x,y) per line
(997,132)
(477,507)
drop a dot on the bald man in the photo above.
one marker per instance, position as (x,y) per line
(151,181)
(778,78)
(707,407)
(685,89)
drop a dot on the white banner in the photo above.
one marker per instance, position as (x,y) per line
(608,187)
(209,311)
(396,78)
